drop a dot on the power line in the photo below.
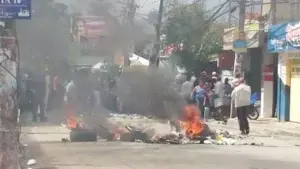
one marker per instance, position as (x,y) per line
(217,11)
(212,18)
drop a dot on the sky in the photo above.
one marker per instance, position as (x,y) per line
(145,6)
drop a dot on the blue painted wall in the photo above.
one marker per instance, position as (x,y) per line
(283,101)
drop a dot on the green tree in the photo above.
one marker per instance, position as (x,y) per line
(189,25)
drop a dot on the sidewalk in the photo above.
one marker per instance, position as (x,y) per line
(262,127)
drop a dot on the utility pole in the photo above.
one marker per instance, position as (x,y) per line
(129,23)
(229,13)
(239,56)
(273,12)
(154,59)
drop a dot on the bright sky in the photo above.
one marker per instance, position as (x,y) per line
(149,5)
(145,5)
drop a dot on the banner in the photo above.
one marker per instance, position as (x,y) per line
(91,26)
(251,35)
(284,37)
(15,9)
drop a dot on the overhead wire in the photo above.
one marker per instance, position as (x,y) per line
(212,18)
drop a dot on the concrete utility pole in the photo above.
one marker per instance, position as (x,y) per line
(239,57)
(154,59)
(129,22)
(273,12)
(229,16)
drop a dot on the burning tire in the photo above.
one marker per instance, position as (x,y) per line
(82,135)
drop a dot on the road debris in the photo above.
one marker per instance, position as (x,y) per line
(31,162)
(141,129)
(64,140)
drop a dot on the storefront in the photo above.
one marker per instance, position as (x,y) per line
(295,90)
(284,39)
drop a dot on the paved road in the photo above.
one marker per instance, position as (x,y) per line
(50,153)
(44,145)
(54,155)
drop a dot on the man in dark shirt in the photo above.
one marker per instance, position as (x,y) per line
(37,89)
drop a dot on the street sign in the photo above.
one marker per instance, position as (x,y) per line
(15,9)
(239,46)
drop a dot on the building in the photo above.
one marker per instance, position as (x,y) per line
(253,36)
(283,46)
(284,40)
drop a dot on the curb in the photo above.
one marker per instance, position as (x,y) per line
(257,131)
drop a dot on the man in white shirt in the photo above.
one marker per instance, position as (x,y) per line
(186,89)
(48,90)
(241,97)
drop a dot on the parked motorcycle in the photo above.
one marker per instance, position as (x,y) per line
(254,112)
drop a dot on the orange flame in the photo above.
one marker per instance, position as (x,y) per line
(192,124)
(71,118)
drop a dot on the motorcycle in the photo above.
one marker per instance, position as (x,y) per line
(254,112)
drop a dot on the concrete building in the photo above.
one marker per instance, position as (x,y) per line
(282,43)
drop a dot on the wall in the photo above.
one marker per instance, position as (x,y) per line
(286,10)
(226,60)
(283,87)
(295,90)
(267,92)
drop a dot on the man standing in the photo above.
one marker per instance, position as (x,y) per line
(186,89)
(48,91)
(241,98)
(228,88)
(219,93)
(37,86)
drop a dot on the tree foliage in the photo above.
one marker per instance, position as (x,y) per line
(188,25)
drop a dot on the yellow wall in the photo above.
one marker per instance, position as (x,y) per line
(295,90)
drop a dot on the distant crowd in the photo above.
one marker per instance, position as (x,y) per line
(214,96)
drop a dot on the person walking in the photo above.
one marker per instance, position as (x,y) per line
(241,97)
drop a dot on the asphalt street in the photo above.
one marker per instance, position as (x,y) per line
(44,144)
(120,155)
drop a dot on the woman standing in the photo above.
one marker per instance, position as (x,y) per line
(198,96)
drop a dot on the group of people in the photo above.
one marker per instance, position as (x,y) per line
(211,94)
(206,91)
(39,91)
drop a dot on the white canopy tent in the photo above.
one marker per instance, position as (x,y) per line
(137,60)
